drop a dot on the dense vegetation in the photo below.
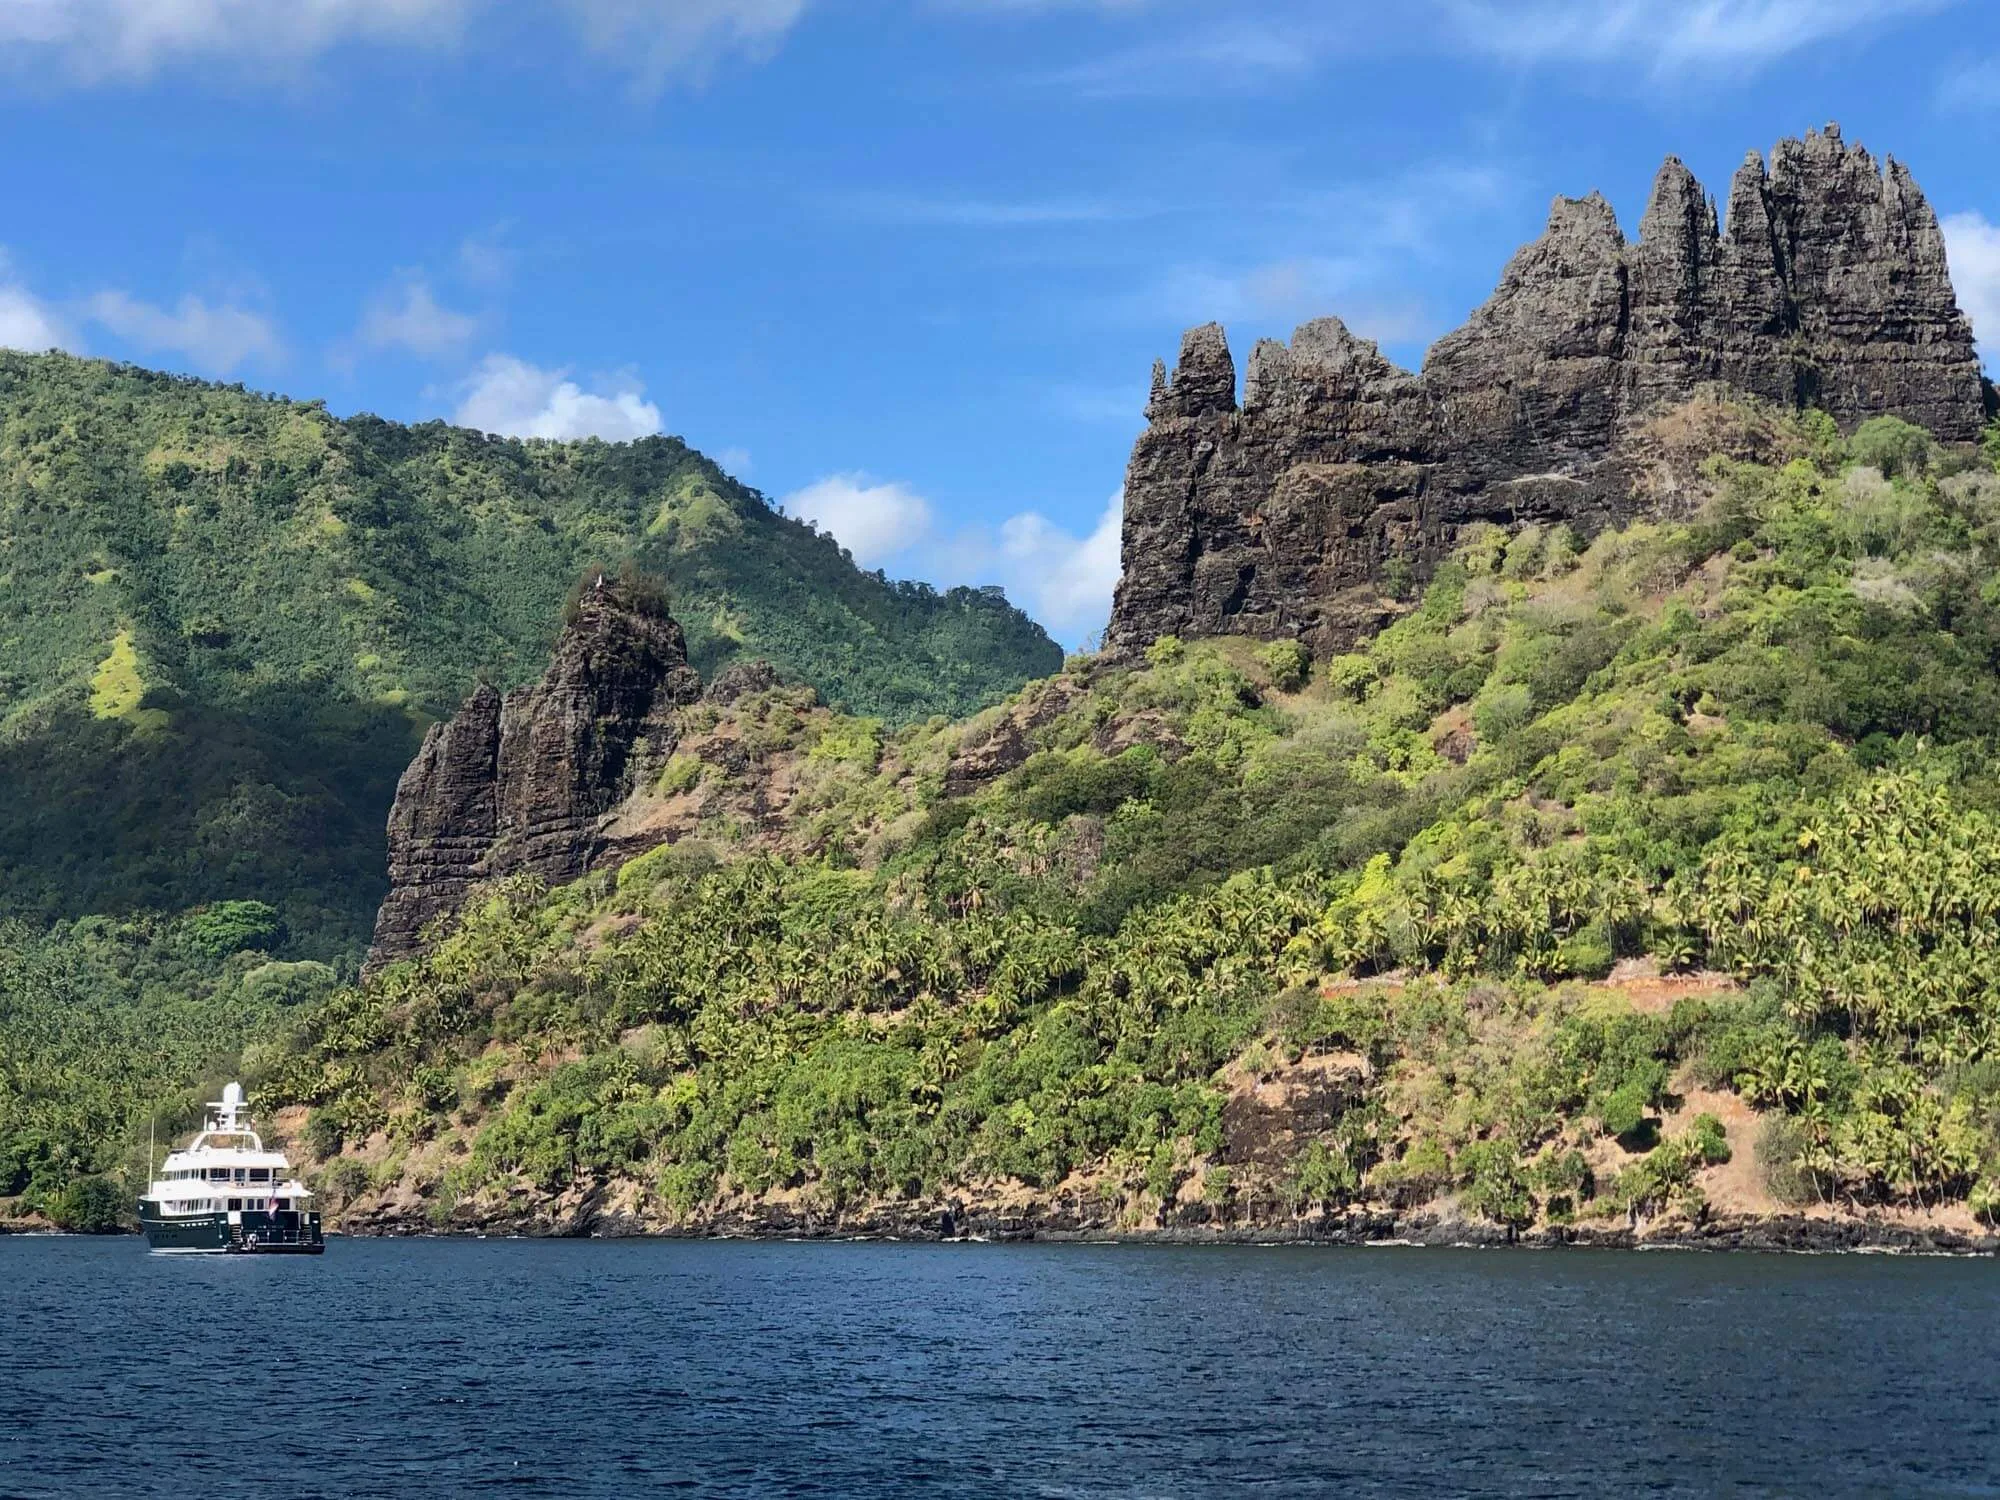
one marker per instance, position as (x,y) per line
(111,1027)
(1758,743)
(225,619)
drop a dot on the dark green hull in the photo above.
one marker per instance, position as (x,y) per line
(255,1232)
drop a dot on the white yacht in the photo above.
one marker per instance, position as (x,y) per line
(225,1194)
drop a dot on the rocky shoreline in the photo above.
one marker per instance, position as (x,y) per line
(956,1222)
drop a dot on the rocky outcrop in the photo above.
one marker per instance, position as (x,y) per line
(1285,515)
(524,783)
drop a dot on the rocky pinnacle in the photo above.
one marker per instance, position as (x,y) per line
(1825,285)
(522,784)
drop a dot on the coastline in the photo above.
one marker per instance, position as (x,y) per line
(1790,1235)
(953,1223)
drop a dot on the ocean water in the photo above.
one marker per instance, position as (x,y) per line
(619,1368)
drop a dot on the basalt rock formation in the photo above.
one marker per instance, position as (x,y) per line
(523,784)
(1283,515)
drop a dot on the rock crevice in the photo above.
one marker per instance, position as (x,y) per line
(1281,516)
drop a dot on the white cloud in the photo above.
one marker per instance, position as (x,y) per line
(1243,53)
(733,461)
(26,322)
(512,397)
(874,521)
(216,338)
(1974,247)
(1667,35)
(1272,43)
(486,259)
(656,38)
(410,318)
(95,40)
(1063,580)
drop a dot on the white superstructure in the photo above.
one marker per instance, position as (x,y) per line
(226,1169)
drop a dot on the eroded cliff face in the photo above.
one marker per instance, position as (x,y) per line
(1281,516)
(525,783)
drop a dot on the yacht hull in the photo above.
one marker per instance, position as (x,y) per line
(248,1232)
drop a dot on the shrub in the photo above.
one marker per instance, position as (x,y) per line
(227,927)
(90,1205)
(1587,954)
(322,1134)
(432,1087)
(1709,1140)
(288,984)
(1524,553)
(1891,445)
(1498,1186)
(682,773)
(1781,1148)
(344,1181)
(1288,663)
(1501,709)
(1218,1186)
(1164,652)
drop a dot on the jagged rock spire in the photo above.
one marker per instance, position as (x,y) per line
(1829,287)
(519,784)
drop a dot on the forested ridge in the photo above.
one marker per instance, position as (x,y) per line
(1633,879)
(1621,881)
(225,620)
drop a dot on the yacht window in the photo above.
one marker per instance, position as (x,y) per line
(218,1174)
(235,1202)
(241,1175)
(260,1174)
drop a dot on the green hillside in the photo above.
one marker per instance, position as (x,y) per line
(225,620)
(1627,879)
(1606,866)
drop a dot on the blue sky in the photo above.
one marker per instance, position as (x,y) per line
(904,265)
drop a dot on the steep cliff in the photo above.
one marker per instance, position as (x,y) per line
(1282,516)
(521,784)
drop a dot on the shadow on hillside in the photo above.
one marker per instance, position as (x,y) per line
(276,799)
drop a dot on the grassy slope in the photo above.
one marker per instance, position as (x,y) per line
(224,620)
(1756,746)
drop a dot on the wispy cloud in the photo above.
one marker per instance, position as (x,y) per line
(510,396)
(1064,580)
(217,338)
(408,318)
(658,39)
(1972,87)
(1244,52)
(953,212)
(1974,247)
(1344,248)
(1667,36)
(486,259)
(93,41)
(99,39)
(1267,45)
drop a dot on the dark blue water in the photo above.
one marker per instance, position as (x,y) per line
(607,1368)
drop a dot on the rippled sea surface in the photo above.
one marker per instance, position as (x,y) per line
(630,1368)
